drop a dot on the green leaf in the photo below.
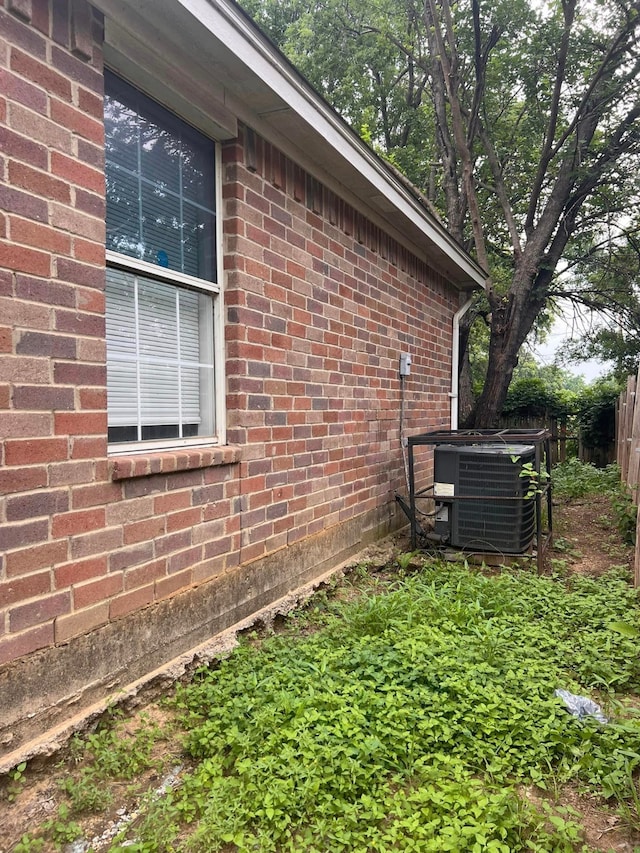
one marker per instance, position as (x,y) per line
(625,629)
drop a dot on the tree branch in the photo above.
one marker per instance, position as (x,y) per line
(501,192)
(568,10)
(457,122)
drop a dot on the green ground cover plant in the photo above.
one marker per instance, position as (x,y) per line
(411,720)
(576,479)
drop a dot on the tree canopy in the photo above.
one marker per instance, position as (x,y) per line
(519,122)
(608,282)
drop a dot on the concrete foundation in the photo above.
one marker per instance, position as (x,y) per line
(47,695)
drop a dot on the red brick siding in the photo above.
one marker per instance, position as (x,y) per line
(45,305)
(319,304)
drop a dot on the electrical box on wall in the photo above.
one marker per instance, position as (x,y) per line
(405,364)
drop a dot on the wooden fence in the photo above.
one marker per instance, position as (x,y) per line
(566,439)
(628,450)
(560,436)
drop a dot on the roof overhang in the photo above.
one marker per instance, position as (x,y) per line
(211,56)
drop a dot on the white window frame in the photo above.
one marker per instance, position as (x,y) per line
(126,263)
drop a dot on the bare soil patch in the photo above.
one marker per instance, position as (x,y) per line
(586,541)
(605,829)
(586,536)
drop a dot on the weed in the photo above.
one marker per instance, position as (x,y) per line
(409,721)
(575,479)
(16,781)
(86,793)
(535,480)
(629,802)
(559,566)
(361,571)
(109,753)
(564,546)
(61,829)
(114,754)
(404,560)
(625,514)
(29,844)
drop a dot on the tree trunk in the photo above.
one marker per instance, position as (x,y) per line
(466,399)
(503,357)
(512,319)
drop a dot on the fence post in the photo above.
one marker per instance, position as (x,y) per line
(628,426)
(636,569)
(634,448)
(620,409)
(562,441)
(628,452)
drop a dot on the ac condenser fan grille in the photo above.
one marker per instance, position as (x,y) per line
(504,526)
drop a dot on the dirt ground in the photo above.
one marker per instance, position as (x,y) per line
(585,540)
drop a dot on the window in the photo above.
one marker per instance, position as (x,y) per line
(162,313)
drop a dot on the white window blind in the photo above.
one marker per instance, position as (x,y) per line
(161,239)
(159,355)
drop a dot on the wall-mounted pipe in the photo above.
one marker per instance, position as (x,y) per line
(455,361)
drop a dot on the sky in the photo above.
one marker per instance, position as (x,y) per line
(561,331)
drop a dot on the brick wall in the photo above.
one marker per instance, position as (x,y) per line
(52,369)
(319,304)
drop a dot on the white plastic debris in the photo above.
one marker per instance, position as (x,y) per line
(581,706)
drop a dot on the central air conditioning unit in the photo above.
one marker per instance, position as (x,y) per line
(481,496)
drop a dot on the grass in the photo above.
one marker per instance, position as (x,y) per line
(408,717)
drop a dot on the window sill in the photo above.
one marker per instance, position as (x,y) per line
(127,467)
